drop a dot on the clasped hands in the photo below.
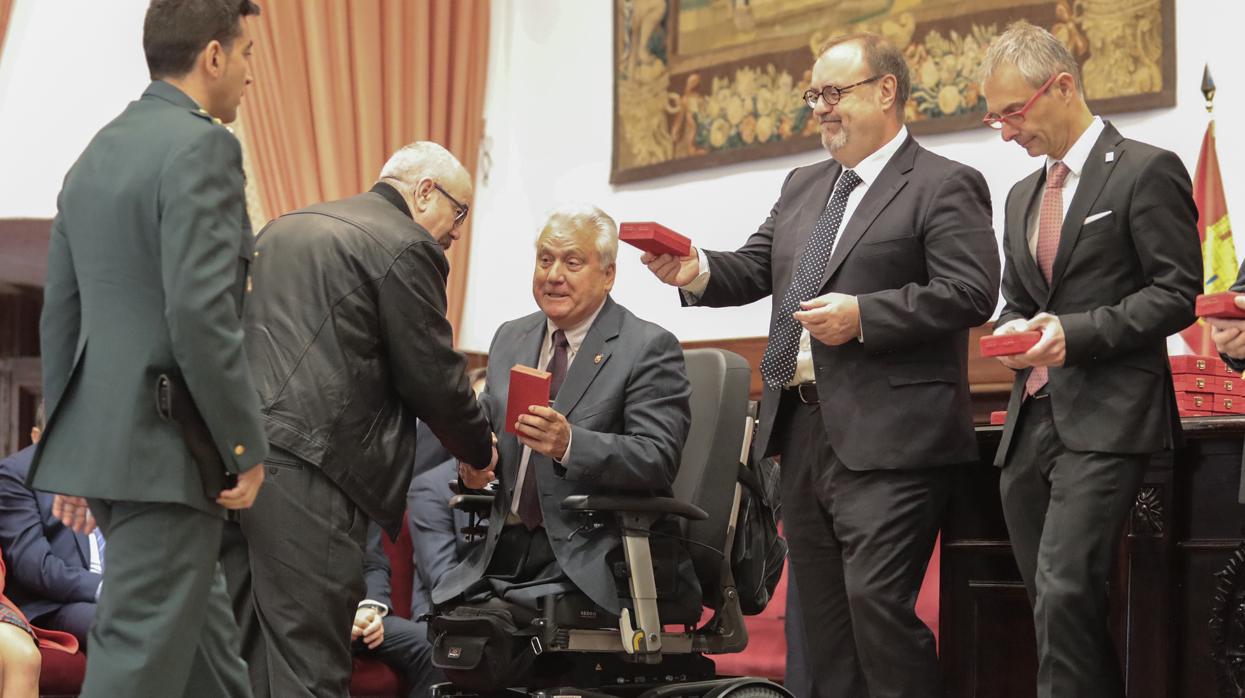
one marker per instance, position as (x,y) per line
(369,626)
(1051,349)
(1228,334)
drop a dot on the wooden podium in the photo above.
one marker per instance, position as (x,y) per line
(1183,529)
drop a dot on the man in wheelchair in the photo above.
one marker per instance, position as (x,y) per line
(583,551)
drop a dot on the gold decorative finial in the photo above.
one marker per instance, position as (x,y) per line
(1208,89)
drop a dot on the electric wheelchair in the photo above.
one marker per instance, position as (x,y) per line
(575,649)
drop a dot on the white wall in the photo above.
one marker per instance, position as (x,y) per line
(548,111)
(68,67)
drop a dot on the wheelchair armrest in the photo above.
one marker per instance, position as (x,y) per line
(479,504)
(627,504)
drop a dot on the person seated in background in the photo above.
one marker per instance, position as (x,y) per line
(438,545)
(618,420)
(402,643)
(20,642)
(20,659)
(56,573)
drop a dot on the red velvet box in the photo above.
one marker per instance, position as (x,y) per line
(1190,363)
(1228,404)
(655,238)
(998,417)
(528,386)
(1209,383)
(1196,383)
(1008,344)
(1194,401)
(1218,305)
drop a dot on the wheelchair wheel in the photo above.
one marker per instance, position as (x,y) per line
(754,692)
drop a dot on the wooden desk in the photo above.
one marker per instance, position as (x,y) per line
(1182,530)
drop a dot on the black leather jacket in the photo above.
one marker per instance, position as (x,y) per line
(347,339)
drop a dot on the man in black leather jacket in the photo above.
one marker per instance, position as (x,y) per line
(347,339)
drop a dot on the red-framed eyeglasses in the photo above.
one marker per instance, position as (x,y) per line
(995,121)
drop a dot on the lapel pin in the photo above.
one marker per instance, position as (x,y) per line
(597,359)
(1111,156)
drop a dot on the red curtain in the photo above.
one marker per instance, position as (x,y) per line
(340,85)
(6,9)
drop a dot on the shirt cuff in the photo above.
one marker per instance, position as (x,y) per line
(570,438)
(380,608)
(696,287)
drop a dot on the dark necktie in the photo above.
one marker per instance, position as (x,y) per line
(778,362)
(1050,223)
(529,499)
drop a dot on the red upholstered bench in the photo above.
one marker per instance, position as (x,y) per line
(374,679)
(62,674)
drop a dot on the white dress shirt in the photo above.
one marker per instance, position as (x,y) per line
(574,338)
(1075,160)
(868,170)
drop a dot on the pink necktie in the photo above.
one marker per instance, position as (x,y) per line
(1050,221)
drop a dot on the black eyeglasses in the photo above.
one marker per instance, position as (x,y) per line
(460,209)
(832,93)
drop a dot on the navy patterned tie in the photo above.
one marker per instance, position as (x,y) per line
(778,363)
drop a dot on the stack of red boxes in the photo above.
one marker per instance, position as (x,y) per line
(1205,386)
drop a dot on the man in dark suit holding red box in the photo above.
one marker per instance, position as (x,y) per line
(1102,257)
(617,416)
(1228,334)
(878,263)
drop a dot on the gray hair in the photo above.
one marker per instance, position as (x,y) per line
(567,220)
(1035,52)
(419,160)
(882,58)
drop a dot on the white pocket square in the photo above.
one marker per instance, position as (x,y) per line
(1095,217)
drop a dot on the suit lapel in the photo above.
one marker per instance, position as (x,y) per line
(810,210)
(1093,178)
(1017,222)
(592,355)
(892,178)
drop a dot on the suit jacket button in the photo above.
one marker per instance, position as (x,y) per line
(239,450)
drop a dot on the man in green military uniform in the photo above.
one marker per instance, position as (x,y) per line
(147,269)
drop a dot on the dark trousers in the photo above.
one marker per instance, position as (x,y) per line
(74,618)
(405,649)
(296,599)
(860,542)
(796,677)
(1065,511)
(163,626)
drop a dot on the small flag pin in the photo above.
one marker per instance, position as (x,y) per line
(1111,156)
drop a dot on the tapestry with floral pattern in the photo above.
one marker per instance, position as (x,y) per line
(700,83)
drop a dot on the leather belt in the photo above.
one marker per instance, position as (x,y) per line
(807,392)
